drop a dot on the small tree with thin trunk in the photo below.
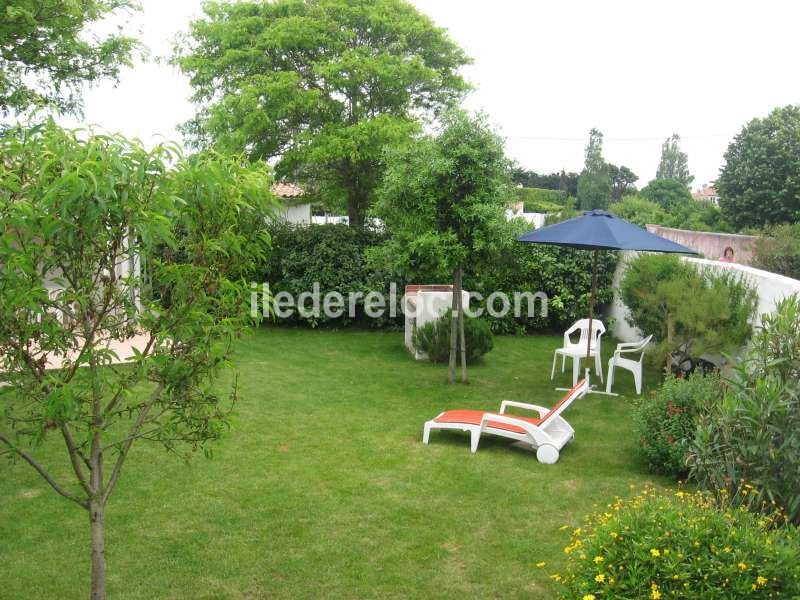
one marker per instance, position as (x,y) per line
(78,214)
(442,200)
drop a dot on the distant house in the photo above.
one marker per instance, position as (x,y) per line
(708,193)
(295,210)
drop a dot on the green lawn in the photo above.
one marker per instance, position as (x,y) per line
(323,487)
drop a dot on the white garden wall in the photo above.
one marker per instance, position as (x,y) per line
(771,288)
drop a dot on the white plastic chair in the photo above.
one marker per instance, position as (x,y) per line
(631,364)
(577,350)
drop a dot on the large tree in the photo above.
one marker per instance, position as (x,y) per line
(48,51)
(674,162)
(594,184)
(442,201)
(622,180)
(75,210)
(670,194)
(323,85)
(760,182)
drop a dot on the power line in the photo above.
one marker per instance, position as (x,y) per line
(616,139)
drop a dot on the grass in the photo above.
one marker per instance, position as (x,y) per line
(323,488)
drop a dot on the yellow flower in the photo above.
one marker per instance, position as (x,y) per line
(742,566)
(727,549)
(563,527)
(655,552)
(589,597)
(540,564)
(598,560)
(761,580)
(655,594)
(556,577)
(600,577)
(614,535)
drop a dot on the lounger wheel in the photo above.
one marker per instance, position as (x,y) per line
(547,454)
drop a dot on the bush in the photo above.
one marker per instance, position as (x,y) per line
(678,545)
(666,422)
(433,338)
(335,257)
(780,252)
(563,274)
(753,436)
(690,311)
(639,211)
(540,200)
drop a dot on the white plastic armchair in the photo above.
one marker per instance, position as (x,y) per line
(577,350)
(632,364)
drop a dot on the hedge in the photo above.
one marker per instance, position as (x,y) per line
(541,200)
(335,256)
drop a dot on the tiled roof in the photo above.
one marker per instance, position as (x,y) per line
(286,190)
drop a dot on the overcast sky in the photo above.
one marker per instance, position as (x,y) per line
(547,72)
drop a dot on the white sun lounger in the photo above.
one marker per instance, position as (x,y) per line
(547,434)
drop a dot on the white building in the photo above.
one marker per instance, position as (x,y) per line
(294,210)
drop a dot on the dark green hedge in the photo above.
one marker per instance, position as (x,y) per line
(335,256)
(540,200)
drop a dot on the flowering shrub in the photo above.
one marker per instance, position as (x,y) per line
(678,545)
(666,422)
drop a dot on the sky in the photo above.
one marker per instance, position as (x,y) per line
(546,72)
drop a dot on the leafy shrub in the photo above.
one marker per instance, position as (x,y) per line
(780,252)
(433,338)
(679,545)
(563,274)
(639,211)
(540,200)
(666,422)
(335,257)
(753,436)
(690,311)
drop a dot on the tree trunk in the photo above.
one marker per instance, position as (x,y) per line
(355,211)
(97,519)
(462,340)
(454,312)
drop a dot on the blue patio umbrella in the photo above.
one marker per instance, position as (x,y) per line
(600,230)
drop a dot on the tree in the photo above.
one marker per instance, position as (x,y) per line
(760,182)
(75,210)
(622,180)
(669,194)
(639,211)
(691,311)
(594,184)
(324,86)
(442,201)
(674,162)
(563,181)
(48,51)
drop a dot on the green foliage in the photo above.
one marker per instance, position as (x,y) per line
(670,194)
(563,274)
(679,545)
(696,216)
(639,211)
(442,200)
(75,207)
(690,311)
(674,162)
(751,438)
(622,180)
(335,256)
(539,199)
(779,250)
(563,181)
(760,182)
(325,86)
(666,422)
(48,53)
(433,338)
(594,185)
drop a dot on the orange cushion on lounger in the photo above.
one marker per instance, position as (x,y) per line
(473,417)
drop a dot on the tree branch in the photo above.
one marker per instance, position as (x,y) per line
(47,477)
(123,453)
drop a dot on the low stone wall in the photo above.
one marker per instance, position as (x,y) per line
(771,289)
(709,244)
